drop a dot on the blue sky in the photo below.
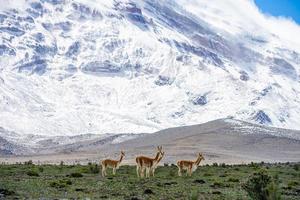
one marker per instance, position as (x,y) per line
(286,8)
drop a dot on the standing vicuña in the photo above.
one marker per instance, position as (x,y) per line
(143,162)
(189,165)
(114,164)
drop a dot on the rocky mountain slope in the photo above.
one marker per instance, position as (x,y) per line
(71,67)
(224,140)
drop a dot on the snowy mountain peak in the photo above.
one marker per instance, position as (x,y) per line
(78,66)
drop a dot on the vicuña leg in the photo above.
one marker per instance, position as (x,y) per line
(152,171)
(142,172)
(114,171)
(190,171)
(147,172)
(138,171)
(103,171)
(179,170)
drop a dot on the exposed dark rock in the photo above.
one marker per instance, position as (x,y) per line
(265,91)
(12,30)
(5,192)
(163,80)
(216,192)
(170,183)
(177,114)
(36,9)
(2,17)
(5,50)
(200,181)
(244,76)
(38,66)
(74,49)
(135,198)
(262,118)
(174,19)
(282,67)
(71,68)
(65,26)
(86,12)
(43,50)
(208,56)
(47,26)
(199,100)
(133,13)
(99,66)
(54,2)
(39,37)
(148,191)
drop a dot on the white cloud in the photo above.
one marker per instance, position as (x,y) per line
(239,16)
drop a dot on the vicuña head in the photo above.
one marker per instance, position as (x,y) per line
(145,163)
(189,165)
(114,164)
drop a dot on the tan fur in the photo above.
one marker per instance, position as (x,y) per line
(145,163)
(114,164)
(189,165)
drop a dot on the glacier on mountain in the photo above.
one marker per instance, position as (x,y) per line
(70,67)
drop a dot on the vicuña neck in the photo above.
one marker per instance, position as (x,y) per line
(121,158)
(156,157)
(198,161)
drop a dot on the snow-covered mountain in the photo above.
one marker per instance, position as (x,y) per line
(71,67)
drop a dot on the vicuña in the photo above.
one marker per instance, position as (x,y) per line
(114,164)
(189,165)
(145,163)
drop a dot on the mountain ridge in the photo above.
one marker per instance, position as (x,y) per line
(223,140)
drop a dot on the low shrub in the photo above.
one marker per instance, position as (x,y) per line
(41,169)
(32,173)
(291,184)
(223,175)
(29,162)
(61,183)
(148,191)
(261,186)
(93,168)
(254,165)
(194,195)
(76,175)
(216,192)
(6,192)
(207,174)
(172,172)
(223,165)
(217,184)
(200,181)
(234,180)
